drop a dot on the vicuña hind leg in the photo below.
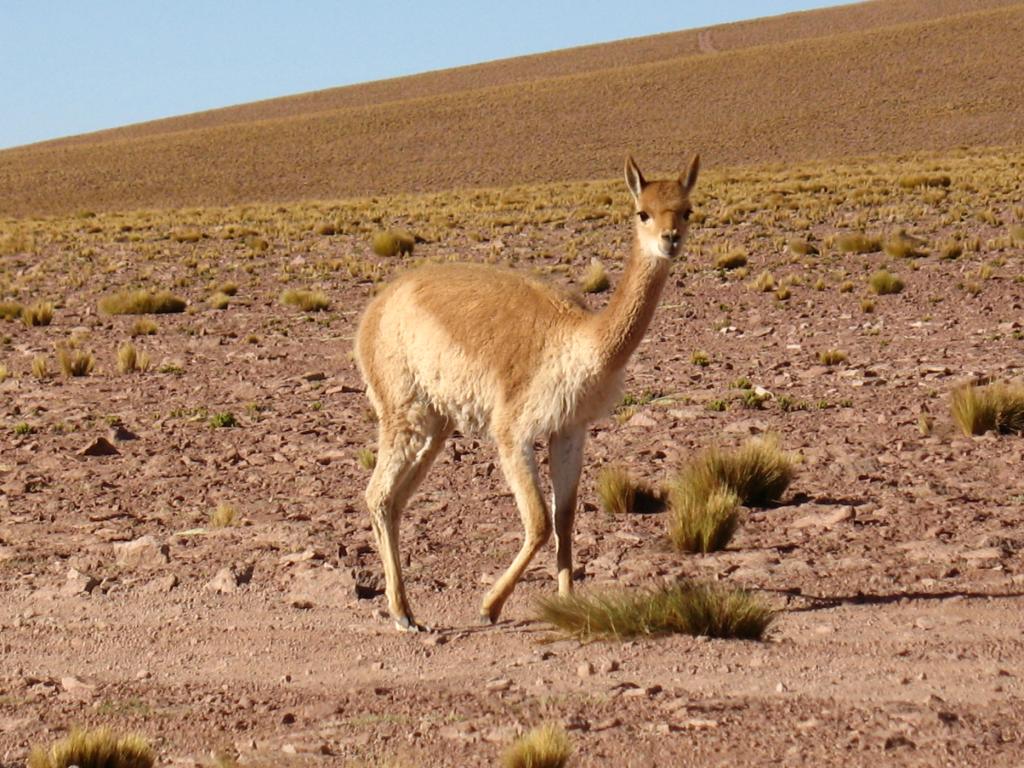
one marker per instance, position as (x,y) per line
(565,452)
(403,458)
(520,468)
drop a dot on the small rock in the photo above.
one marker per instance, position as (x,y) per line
(224,582)
(76,685)
(162,585)
(314,376)
(144,552)
(501,684)
(607,666)
(301,603)
(78,583)
(586,669)
(99,447)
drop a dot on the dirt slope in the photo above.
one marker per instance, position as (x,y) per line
(862,81)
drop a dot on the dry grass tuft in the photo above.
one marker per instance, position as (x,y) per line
(130,360)
(223,515)
(734,259)
(595,279)
(94,749)
(544,747)
(997,407)
(74,361)
(884,283)
(764,282)
(40,368)
(307,301)
(904,246)
(10,310)
(367,459)
(142,302)
(802,248)
(680,608)
(219,300)
(913,181)
(40,313)
(616,489)
(831,356)
(144,327)
(702,523)
(758,472)
(858,242)
(392,242)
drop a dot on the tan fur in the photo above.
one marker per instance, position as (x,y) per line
(483,349)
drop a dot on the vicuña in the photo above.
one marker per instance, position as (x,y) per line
(483,349)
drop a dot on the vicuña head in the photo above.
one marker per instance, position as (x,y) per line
(485,349)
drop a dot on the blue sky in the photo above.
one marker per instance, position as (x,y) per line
(69,67)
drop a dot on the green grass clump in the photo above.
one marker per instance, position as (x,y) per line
(858,242)
(307,301)
(225,419)
(544,747)
(40,313)
(392,242)
(595,279)
(734,259)
(680,608)
(997,407)
(702,523)
(884,283)
(94,749)
(10,310)
(142,302)
(758,472)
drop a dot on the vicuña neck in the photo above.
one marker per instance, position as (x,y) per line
(623,323)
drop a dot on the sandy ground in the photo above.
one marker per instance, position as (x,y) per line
(895,560)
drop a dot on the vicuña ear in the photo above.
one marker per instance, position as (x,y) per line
(634,179)
(689,179)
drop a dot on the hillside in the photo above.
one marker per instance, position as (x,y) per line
(881,77)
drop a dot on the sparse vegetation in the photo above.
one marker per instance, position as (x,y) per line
(94,749)
(144,326)
(682,607)
(220,300)
(307,301)
(367,459)
(758,472)
(142,302)
(74,361)
(40,313)
(40,368)
(699,522)
(622,494)
(223,419)
(700,358)
(223,515)
(996,407)
(858,242)
(10,310)
(883,283)
(595,279)
(831,356)
(764,282)
(393,243)
(733,259)
(799,247)
(547,746)
(130,360)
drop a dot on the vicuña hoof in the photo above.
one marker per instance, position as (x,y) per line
(405,624)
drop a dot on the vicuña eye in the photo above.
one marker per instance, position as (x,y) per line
(686,214)
(643,215)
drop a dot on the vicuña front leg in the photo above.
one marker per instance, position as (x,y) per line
(520,468)
(565,453)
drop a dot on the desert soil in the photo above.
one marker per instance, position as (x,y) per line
(896,560)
